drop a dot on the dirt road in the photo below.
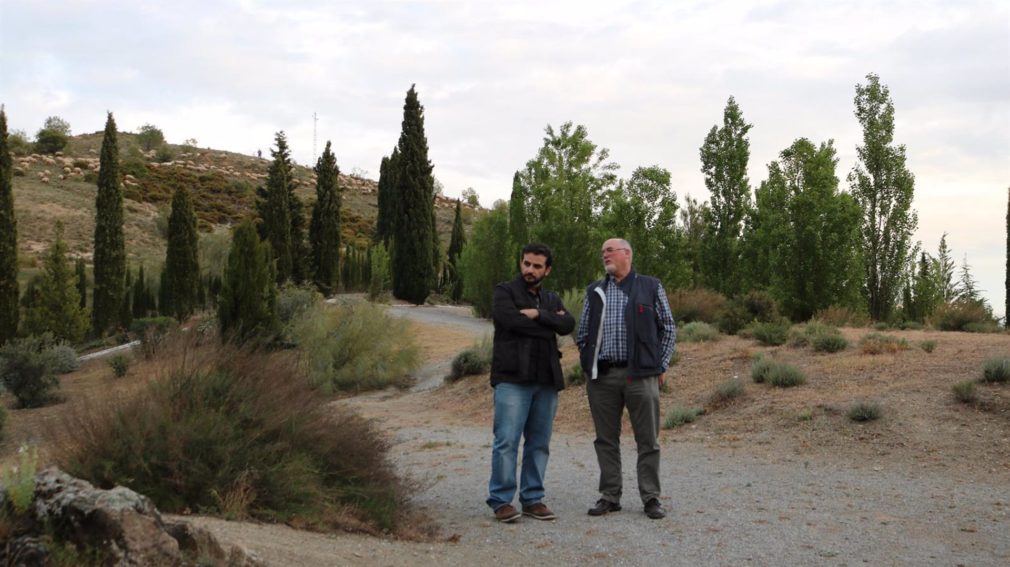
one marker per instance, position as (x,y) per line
(727,506)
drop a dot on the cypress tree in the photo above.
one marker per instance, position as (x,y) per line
(126,307)
(110,247)
(8,240)
(324,231)
(275,210)
(249,291)
(56,308)
(140,295)
(165,307)
(387,199)
(452,281)
(182,267)
(518,218)
(413,263)
(82,281)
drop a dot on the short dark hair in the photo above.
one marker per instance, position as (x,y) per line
(540,250)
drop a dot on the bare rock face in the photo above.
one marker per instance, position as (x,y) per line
(123,524)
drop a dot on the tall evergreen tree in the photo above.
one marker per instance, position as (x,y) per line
(182,267)
(57,307)
(925,295)
(324,230)
(8,240)
(519,228)
(140,306)
(724,157)
(82,281)
(388,201)
(126,305)
(413,263)
(944,272)
(110,246)
(275,210)
(884,188)
(452,282)
(249,293)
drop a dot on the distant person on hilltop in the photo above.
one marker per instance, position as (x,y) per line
(526,377)
(626,337)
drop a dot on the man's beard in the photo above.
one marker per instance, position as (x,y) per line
(535,282)
(610,268)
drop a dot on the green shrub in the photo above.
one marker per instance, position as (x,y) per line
(726,392)
(965,392)
(911,326)
(754,306)
(152,332)
(805,414)
(880,326)
(958,315)
(696,305)
(813,331)
(697,331)
(356,347)
(927,345)
(982,327)
(240,432)
(26,370)
(293,301)
(877,343)
(771,333)
(64,358)
(19,481)
(996,370)
(574,300)
(674,359)
(839,316)
(574,375)
(829,343)
(864,411)
(474,360)
(120,365)
(760,368)
(680,415)
(785,376)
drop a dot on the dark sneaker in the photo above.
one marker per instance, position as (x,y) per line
(654,510)
(604,507)
(507,514)
(539,511)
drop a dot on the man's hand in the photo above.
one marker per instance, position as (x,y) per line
(662,379)
(531,313)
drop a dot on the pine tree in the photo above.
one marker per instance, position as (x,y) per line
(110,247)
(944,273)
(8,240)
(388,203)
(413,264)
(249,292)
(883,187)
(452,282)
(275,210)
(324,231)
(519,228)
(724,157)
(82,281)
(56,307)
(182,266)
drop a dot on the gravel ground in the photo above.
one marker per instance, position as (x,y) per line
(725,507)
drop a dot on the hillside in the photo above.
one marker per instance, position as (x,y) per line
(223,184)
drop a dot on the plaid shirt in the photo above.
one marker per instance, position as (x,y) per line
(614,344)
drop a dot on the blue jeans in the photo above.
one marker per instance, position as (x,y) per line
(521,410)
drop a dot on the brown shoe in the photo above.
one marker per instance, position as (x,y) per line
(539,511)
(506,514)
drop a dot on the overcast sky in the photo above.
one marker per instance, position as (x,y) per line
(648,80)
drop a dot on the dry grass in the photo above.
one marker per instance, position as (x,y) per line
(925,426)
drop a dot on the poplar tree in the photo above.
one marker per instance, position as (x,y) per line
(249,292)
(413,262)
(519,228)
(724,157)
(56,307)
(883,187)
(182,267)
(110,247)
(8,240)
(324,230)
(275,210)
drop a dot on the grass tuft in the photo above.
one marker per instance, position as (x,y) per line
(760,368)
(771,333)
(878,343)
(996,370)
(928,345)
(697,332)
(865,411)
(680,415)
(964,392)
(785,376)
(726,392)
(472,361)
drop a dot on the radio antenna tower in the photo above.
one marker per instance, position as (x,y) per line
(315,119)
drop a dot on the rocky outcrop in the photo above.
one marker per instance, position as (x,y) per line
(121,525)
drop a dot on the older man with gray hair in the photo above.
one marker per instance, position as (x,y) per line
(626,337)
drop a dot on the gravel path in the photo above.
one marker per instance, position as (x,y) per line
(726,507)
